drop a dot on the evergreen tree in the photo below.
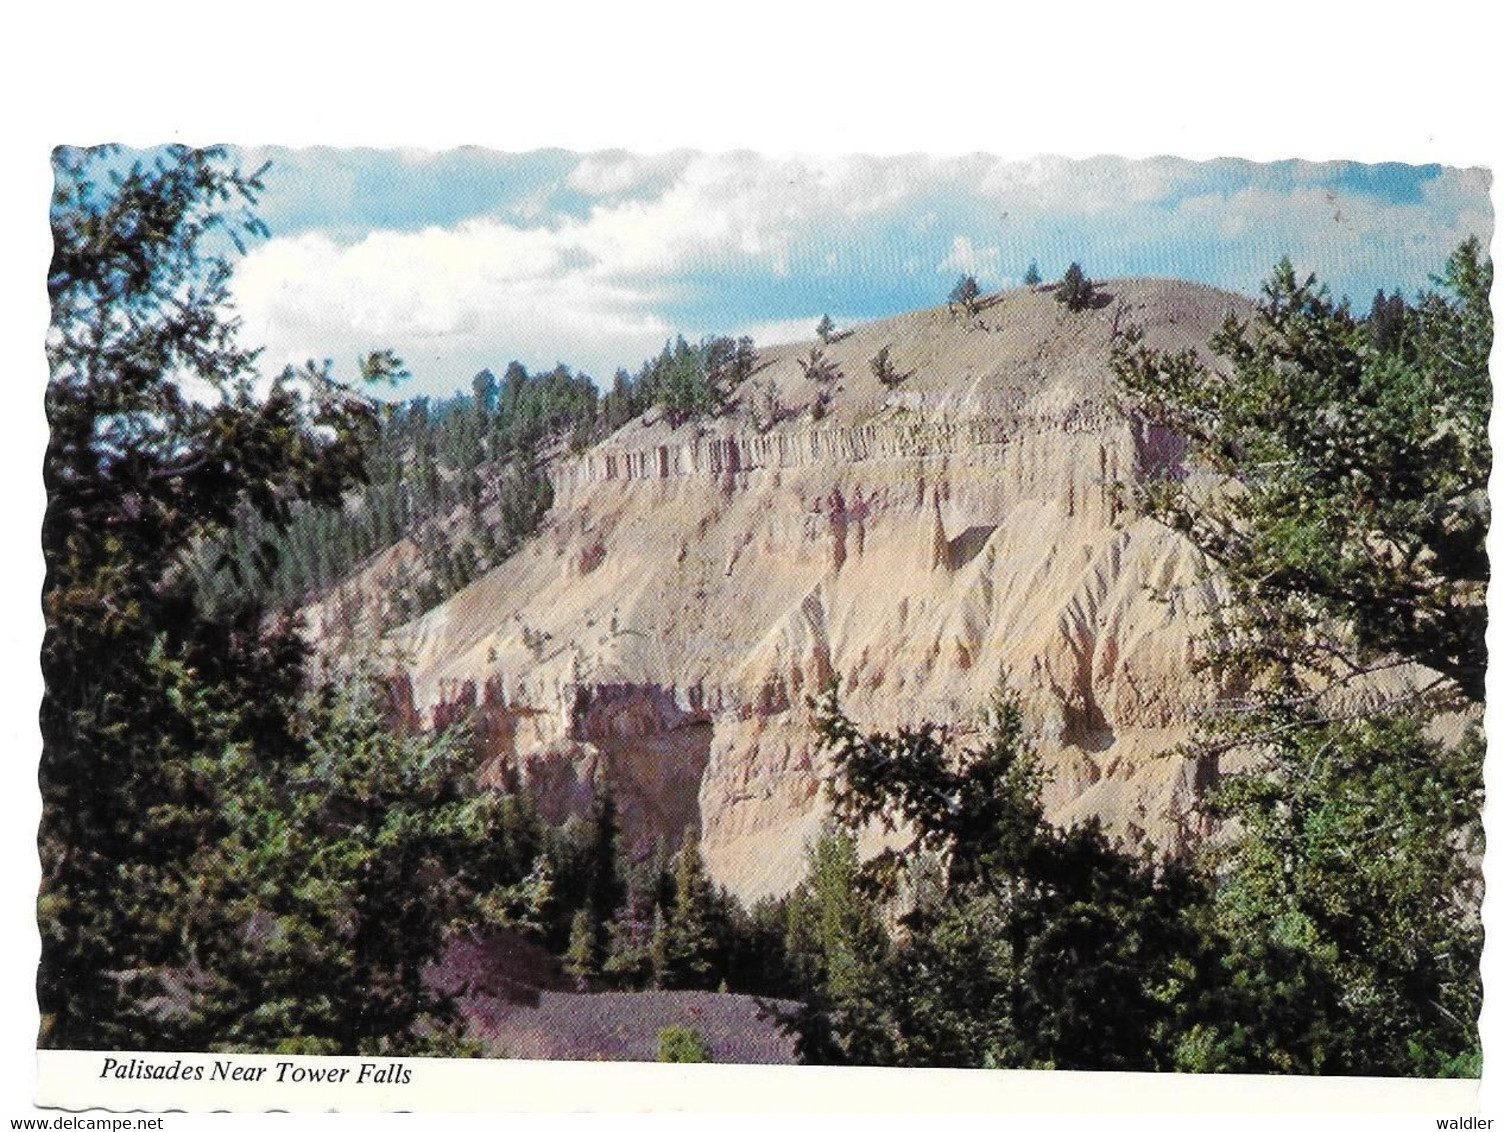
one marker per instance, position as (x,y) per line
(486,390)
(826,329)
(839,953)
(694,953)
(313,881)
(1032,278)
(1048,948)
(883,368)
(1075,290)
(606,890)
(659,953)
(1366,450)
(141,692)
(1353,644)
(965,294)
(1386,321)
(583,957)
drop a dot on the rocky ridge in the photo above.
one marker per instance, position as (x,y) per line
(691,587)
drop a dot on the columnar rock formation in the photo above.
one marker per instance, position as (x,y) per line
(692,587)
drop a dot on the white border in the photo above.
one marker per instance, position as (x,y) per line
(1367,81)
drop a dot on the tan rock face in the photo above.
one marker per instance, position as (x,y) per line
(691,589)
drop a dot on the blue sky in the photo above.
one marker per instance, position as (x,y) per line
(470,258)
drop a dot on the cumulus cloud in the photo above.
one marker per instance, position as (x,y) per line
(474,295)
(966,258)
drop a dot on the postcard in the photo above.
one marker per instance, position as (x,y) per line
(1022,618)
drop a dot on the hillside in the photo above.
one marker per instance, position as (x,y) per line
(692,585)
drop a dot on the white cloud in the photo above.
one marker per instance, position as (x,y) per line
(542,285)
(479,293)
(966,258)
(1093,186)
(609,174)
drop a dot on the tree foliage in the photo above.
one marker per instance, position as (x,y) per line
(214,874)
(1355,532)
(1039,947)
(1347,514)
(838,952)
(696,932)
(883,368)
(683,1045)
(1075,290)
(965,294)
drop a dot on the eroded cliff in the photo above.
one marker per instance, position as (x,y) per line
(691,587)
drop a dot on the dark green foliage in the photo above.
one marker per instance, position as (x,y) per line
(225,863)
(818,368)
(513,873)
(680,381)
(682,1045)
(694,381)
(1353,546)
(697,925)
(1075,290)
(465,482)
(605,889)
(582,958)
(136,470)
(1038,947)
(1351,897)
(1386,321)
(883,368)
(838,953)
(464,478)
(826,329)
(340,876)
(1032,278)
(965,294)
(824,373)
(1363,477)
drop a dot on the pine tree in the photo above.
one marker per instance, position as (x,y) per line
(1048,948)
(883,369)
(694,929)
(1032,278)
(1340,446)
(143,692)
(1075,290)
(659,949)
(965,294)
(583,957)
(606,890)
(838,951)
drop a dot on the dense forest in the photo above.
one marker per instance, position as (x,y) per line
(237,856)
(461,477)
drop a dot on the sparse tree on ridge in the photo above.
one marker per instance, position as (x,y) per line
(1032,278)
(883,368)
(1075,290)
(965,294)
(826,329)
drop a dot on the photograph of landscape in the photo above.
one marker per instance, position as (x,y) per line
(717,607)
